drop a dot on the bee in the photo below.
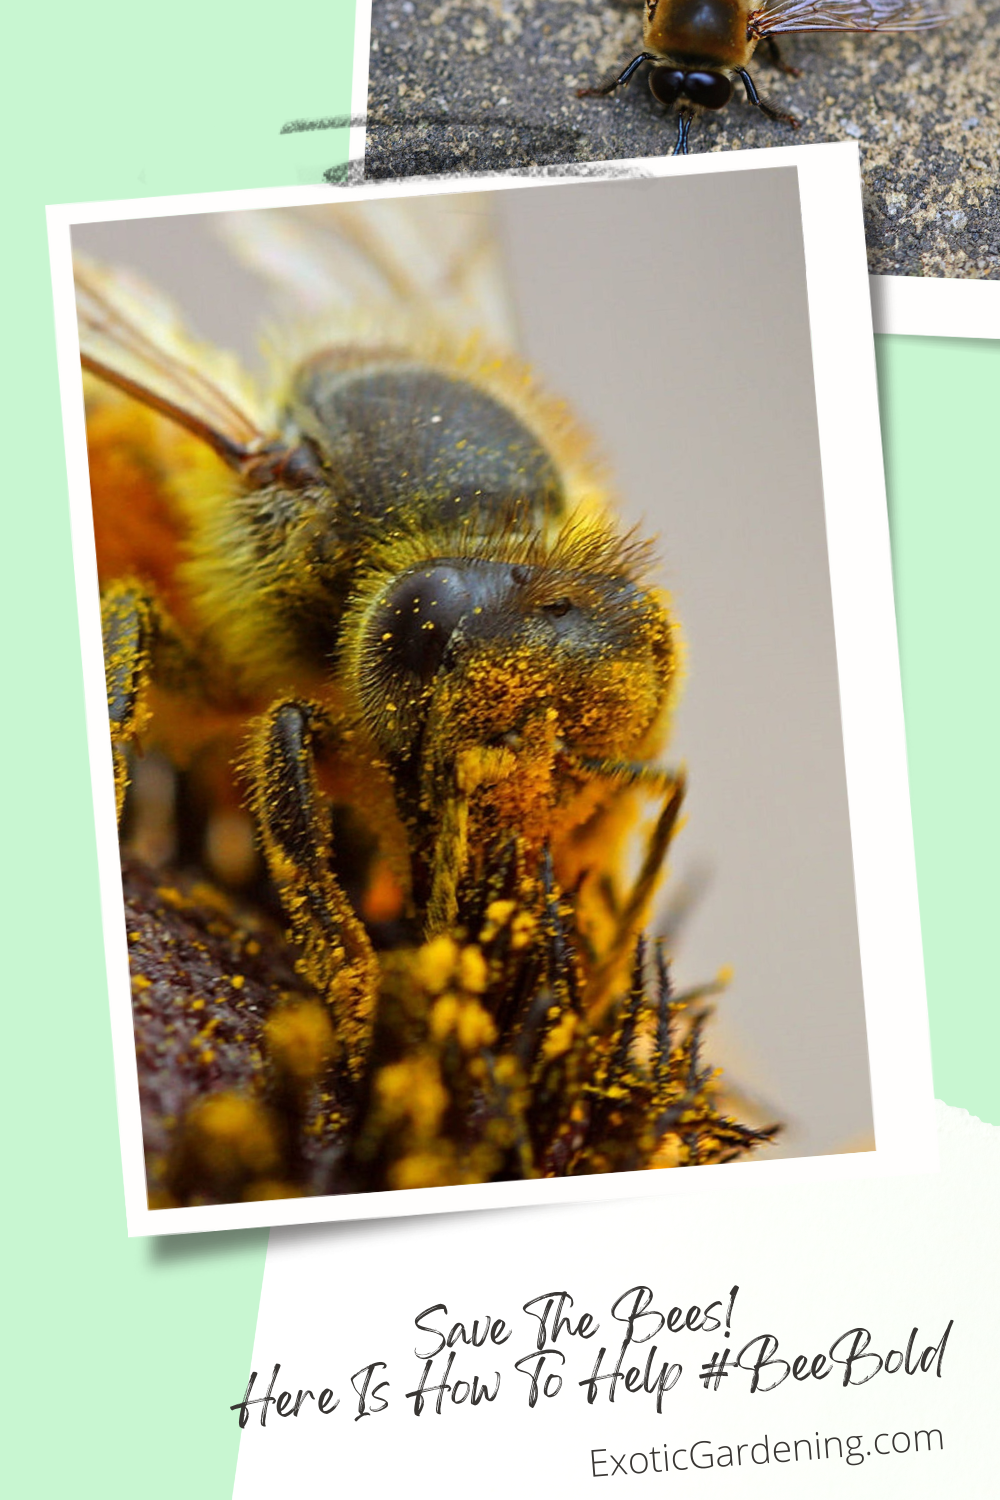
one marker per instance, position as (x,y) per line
(698,49)
(391,586)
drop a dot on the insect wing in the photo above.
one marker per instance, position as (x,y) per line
(132,338)
(783,16)
(438,260)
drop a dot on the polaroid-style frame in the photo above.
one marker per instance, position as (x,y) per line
(835,320)
(930,306)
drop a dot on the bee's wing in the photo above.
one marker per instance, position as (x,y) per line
(437,259)
(778,16)
(131,337)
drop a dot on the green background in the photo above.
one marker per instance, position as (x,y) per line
(120,1357)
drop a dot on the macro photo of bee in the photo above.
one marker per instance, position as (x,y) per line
(492,85)
(390,687)
(698,50)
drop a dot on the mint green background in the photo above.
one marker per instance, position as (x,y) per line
(120,1357)
(940,404)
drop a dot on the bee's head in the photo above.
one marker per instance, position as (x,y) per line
(705,86)
(566,649)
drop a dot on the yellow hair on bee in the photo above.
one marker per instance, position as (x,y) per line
(247,597)
(587,549)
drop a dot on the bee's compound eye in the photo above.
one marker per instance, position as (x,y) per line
(416,620)
(665,84)
(710,90)
(419,614)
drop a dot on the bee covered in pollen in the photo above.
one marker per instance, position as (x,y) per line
(390,607)
(699,49)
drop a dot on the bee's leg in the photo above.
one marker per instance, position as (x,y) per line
(633,909)
(475,767)
(765,108)
(626,772)
(615,82)
(684,118)
(294,829)
(127,631)
(140,644)
(450,857)
(776,60)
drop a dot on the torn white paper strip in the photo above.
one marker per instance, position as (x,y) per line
(547,1351)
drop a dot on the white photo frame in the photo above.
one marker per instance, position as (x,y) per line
(867,667)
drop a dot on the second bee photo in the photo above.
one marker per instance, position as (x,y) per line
(493,698)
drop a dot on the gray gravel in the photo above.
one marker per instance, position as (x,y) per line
(489,85)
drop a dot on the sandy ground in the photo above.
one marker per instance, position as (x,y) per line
(486,85)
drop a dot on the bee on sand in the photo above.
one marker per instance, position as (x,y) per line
(392,596)
(699,49)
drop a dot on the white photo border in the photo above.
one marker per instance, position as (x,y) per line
(868,671)
(930,306)
(947,307)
